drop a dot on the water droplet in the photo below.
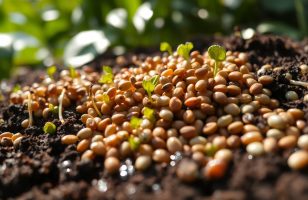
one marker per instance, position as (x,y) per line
(126,169)
(175,158)
(250,157)
(156,187)
(102,185)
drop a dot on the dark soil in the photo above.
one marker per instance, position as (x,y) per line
(43,168)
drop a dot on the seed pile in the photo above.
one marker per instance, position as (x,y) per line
(188,110)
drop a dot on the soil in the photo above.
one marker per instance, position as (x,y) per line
(43,168)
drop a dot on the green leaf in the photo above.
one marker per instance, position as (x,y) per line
(216,52)
(184,49)
(134,143)
(154,80)
(107,77)
(107,69)
(16,88)
(73,72)
(149,85)
(49,128)
(53,108)
(135,122)
(165,46)
(51,71)
(149,113)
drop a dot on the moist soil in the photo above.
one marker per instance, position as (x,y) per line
(43,168)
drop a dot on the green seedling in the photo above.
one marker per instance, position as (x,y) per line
(49,128)
(61,105)
(134,143)
(135,122)
(149,114)
(53,108)
(30,109)
(93,103)
(149,85)
(73,73)
(16,88)
(165,46)
(218,53)
(107,77)
(184,50)
(51,71)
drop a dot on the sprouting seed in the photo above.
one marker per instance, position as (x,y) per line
(149,85)
(184,49)
(107,77)
(51,71)
(49,128)
(61,105)
(218,53)
(135,122)
(165,46)
(134,143)
(30,109)
(149,114)
(94,104)
(52,108)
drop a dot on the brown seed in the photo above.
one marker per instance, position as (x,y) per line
(220,98)
(189,117)
(143,162)
(224,154)
(224,120)
(85,133)
(110,130)
(6,134)
(296,113)
(118,118)
(276,121)
(161,156)
(201,86)
(215,169)
(210,128)
(265,80)
(255,88)
(69,139)
(124,85)
(270,145)
(88,155)
(15,136)
(187,170)
(83,145)
(174,145)
(255,148)
(112,165)
(232,109)
(175,104)
(188,132)
(6,141)
(235,127)
(235,76)
(303,142)
(17,141)
(298,160)
(98,148)
(287,142)
(250,137)
(192,102)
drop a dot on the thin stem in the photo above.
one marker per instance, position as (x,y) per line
(30,109)
(301,20)
(61,105)
(300,83)
(94,104)
(215,68)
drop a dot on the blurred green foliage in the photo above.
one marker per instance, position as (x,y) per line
(73,32)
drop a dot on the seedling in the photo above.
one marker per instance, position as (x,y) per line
(218,53)
(73,73)
(107,77)
(93,103)
(184,50)
(16,88)
(51,71)
(30,109)
(165,46)
(134,143)
(53,108)
(149,85)
(61,105)
(135,122)
(49,128)
(149,114)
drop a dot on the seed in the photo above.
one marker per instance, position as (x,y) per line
(235,127)
(270,145)
(276,121)
(187,170)
(6,141)
(201,86)
(15,136)
(224,120)
(112,165)
(220,98)
(255,148)
(220,142)
(303,142)
(69,139)
(235,76)
(98,148)
(188,131)
(233,141)
(110,130)
(274,133)
(167,72)
(296,113)
(251,137)
(97,138)
(197,140)
(247,109)
(118,118)
(233,90)
(166,114)
(6,134)
(124,85)
(298,160)
(210,128)
(85,133)
(224,154)
(112,140)
(255,88)
(112,152)
(161,156)
(25,123)
(175,104)
(143,162)
(189,117)
(88,155)
(174,145)
(83,145)
(215,169)
(17,141)
(291,95)
(265,80)
(192,102)
(232,109)
(287,142)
